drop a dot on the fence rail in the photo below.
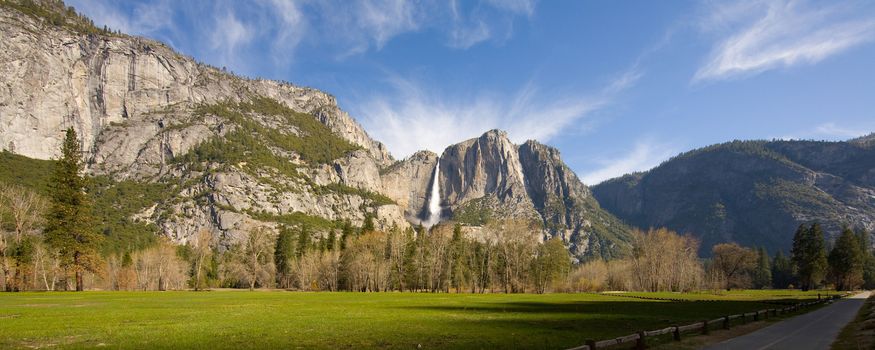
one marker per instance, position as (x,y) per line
(640,338)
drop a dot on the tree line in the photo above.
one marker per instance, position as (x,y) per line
(48,244)
(662,260)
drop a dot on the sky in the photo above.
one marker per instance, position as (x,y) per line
(616,86)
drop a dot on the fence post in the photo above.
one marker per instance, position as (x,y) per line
(743,318)
(725,322)
(705,327)
(677,333)
(756,316)
(641,344)
(818,296)
(591,344)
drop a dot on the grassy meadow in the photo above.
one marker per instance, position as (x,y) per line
(278,319)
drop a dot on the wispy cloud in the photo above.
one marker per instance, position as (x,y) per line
(230,34)
(226,31)
(832,131)
(410,118)
(646,154)
(760,35)
(149,18)
(524,7)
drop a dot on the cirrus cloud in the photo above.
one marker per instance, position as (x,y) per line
(760,35)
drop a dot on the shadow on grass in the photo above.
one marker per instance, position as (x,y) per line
(530,324)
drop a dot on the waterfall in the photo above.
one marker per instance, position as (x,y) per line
(434,201)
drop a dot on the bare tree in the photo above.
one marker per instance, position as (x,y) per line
(734,263)
(26,209)
(255,256)
(329,270)
(664,261)
(202,252)
(5,240)
(47,265)
(515,241)
(159,268)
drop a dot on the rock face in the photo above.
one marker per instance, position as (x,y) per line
(55,78)
(754,193)
(407,183)
(141,110)
(491,178)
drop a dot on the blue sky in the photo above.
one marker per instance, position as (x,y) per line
(617,86)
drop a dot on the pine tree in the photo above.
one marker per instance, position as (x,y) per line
(846,261)
(303,241)
(67,224)
(345,234)
(332,240)
(809,256)
(782,271)
(763,272)
(868,260)
(284,252)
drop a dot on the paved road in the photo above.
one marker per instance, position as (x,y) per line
(814,330)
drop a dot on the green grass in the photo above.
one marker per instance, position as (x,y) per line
(239,319)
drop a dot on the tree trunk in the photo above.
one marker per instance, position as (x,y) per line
(7,280)
(79,286)
(78,268)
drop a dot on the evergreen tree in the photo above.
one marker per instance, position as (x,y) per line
(782,271)
(332,240)
(303,241)
(67,224)
(763,272)
(552,262)
(284,253)
(127,261)
(809,256)
(345,234)
(868,260)
(846,261)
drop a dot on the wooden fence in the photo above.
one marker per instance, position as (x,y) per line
(703,326)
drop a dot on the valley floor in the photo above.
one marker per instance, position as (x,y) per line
(278,319)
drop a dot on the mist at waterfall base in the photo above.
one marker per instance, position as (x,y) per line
(434,201)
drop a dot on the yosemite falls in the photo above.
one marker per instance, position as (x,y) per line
(434,201)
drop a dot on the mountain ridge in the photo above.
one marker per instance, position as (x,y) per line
(237,153)
(751,192)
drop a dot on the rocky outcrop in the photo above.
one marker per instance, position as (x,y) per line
(492,178)
(755,193)
(407,183)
